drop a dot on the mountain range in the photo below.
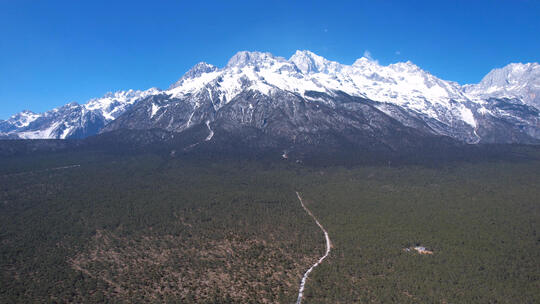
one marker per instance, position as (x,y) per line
(308,100)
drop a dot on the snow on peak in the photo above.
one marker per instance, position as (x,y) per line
(308,62)
(515,80)
(23,119)
(511,74)
(200,68)
(364,61)
(405,66)
(246,58)
(73,118)
(195,72)
(111,105)
(403,83)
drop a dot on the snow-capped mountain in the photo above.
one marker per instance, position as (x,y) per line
(304,96)
(402,91)
(72,120)
(402,83)
(514,81)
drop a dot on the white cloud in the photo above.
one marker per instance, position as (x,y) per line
(398,53)
(367,55)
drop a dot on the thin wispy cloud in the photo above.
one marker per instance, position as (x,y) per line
(368,56)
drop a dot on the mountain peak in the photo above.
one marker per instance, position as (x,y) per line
(195,72)
(199,69)
(27,112)
(307,53)
(23,119)
(513,72)
(405,66)
(362,61)
(245,58)
(515,80)
(23,113)
(309,62)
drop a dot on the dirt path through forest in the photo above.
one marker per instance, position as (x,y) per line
(328,245)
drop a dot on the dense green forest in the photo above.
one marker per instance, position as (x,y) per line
(482,222)
(150,228)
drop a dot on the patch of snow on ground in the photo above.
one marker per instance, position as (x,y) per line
(189,120)
(155,109)
(467,116)
(67,131)
(45,133)
(209,129)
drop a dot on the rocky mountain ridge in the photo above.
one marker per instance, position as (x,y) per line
(307,95)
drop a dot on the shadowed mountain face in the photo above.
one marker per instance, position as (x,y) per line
(309,100)
(281,120)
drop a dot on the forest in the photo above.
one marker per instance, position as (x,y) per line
(96,227)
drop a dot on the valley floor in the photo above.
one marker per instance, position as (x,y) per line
(156,229)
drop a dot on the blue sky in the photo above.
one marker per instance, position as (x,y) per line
(54,52)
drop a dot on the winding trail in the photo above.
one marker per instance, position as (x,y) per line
(328,245)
